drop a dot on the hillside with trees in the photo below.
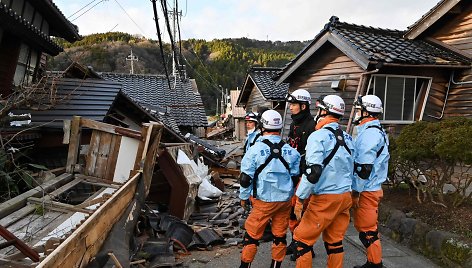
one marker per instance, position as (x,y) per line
(220,62)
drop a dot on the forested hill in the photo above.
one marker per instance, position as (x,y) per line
(212,63)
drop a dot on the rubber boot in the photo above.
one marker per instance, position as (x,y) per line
(245,265)
(370,265)
(275,264)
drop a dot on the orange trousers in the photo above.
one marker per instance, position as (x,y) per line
(366,220)
(327,214)
(256,222)
(293,222)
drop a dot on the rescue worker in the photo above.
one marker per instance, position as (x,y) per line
(371,167)
(303,124)
(327,184)
(266,171)
(253,133)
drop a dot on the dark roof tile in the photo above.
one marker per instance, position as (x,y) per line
(262,77)
(182,103)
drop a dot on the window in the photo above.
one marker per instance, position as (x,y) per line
(27,61)
(399,95)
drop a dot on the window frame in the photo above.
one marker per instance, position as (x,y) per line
(427,79)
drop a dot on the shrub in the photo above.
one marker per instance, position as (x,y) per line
(440,152)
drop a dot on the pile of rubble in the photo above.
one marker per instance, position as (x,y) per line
(217,219)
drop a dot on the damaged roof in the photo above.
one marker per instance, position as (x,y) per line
(183,103)
(89,98)
(369,46)
(262,79)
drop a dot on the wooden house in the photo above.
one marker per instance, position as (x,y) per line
(238,114)
(351,60)
(260,91)
(449,24)
(26,27)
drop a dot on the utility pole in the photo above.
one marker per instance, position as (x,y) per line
(132,58)
(175,13)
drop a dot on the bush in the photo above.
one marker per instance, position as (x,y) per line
(439,152)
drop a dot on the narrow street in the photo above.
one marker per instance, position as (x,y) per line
(394,255)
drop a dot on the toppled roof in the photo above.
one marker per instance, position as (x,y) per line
(262,78)
(183,103)
(369,45)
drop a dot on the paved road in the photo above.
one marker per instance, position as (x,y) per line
(395,255)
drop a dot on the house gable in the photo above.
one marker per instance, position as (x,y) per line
(457,32)
(326,65)
(429,21)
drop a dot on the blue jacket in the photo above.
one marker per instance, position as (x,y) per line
(274,183)
(250,139)
(336,177)
(368,142)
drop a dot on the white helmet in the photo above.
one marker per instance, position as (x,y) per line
(369,103)
(271,120)
(299,96)
(332,104)
(252,116)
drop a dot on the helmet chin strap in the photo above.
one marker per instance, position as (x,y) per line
(358,120)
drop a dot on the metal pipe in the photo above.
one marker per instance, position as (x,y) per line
(358,91)
(460,83)
(445,99)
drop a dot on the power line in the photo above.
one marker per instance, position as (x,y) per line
(81,9)
(142,32)
(160,41)
(87,10)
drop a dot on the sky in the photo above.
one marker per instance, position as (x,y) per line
(275,20)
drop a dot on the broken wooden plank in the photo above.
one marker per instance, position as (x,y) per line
(103,154)
(19,201)
(91,180)
(112,158)
(53,205)
(27,209)
(20,245)
(85,242)
(93,151)
(74,145)
(110,128)
(66,128)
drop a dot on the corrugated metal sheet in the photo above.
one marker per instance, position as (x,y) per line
(89,98)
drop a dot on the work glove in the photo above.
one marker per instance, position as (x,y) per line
(355,199)
(298,210)
(246,204)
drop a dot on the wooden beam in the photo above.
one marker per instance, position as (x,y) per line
(110,128)
(27,209)
(74,143)
(19,201)
(53,205)
(92,179)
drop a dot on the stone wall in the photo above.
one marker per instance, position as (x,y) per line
(443,247)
